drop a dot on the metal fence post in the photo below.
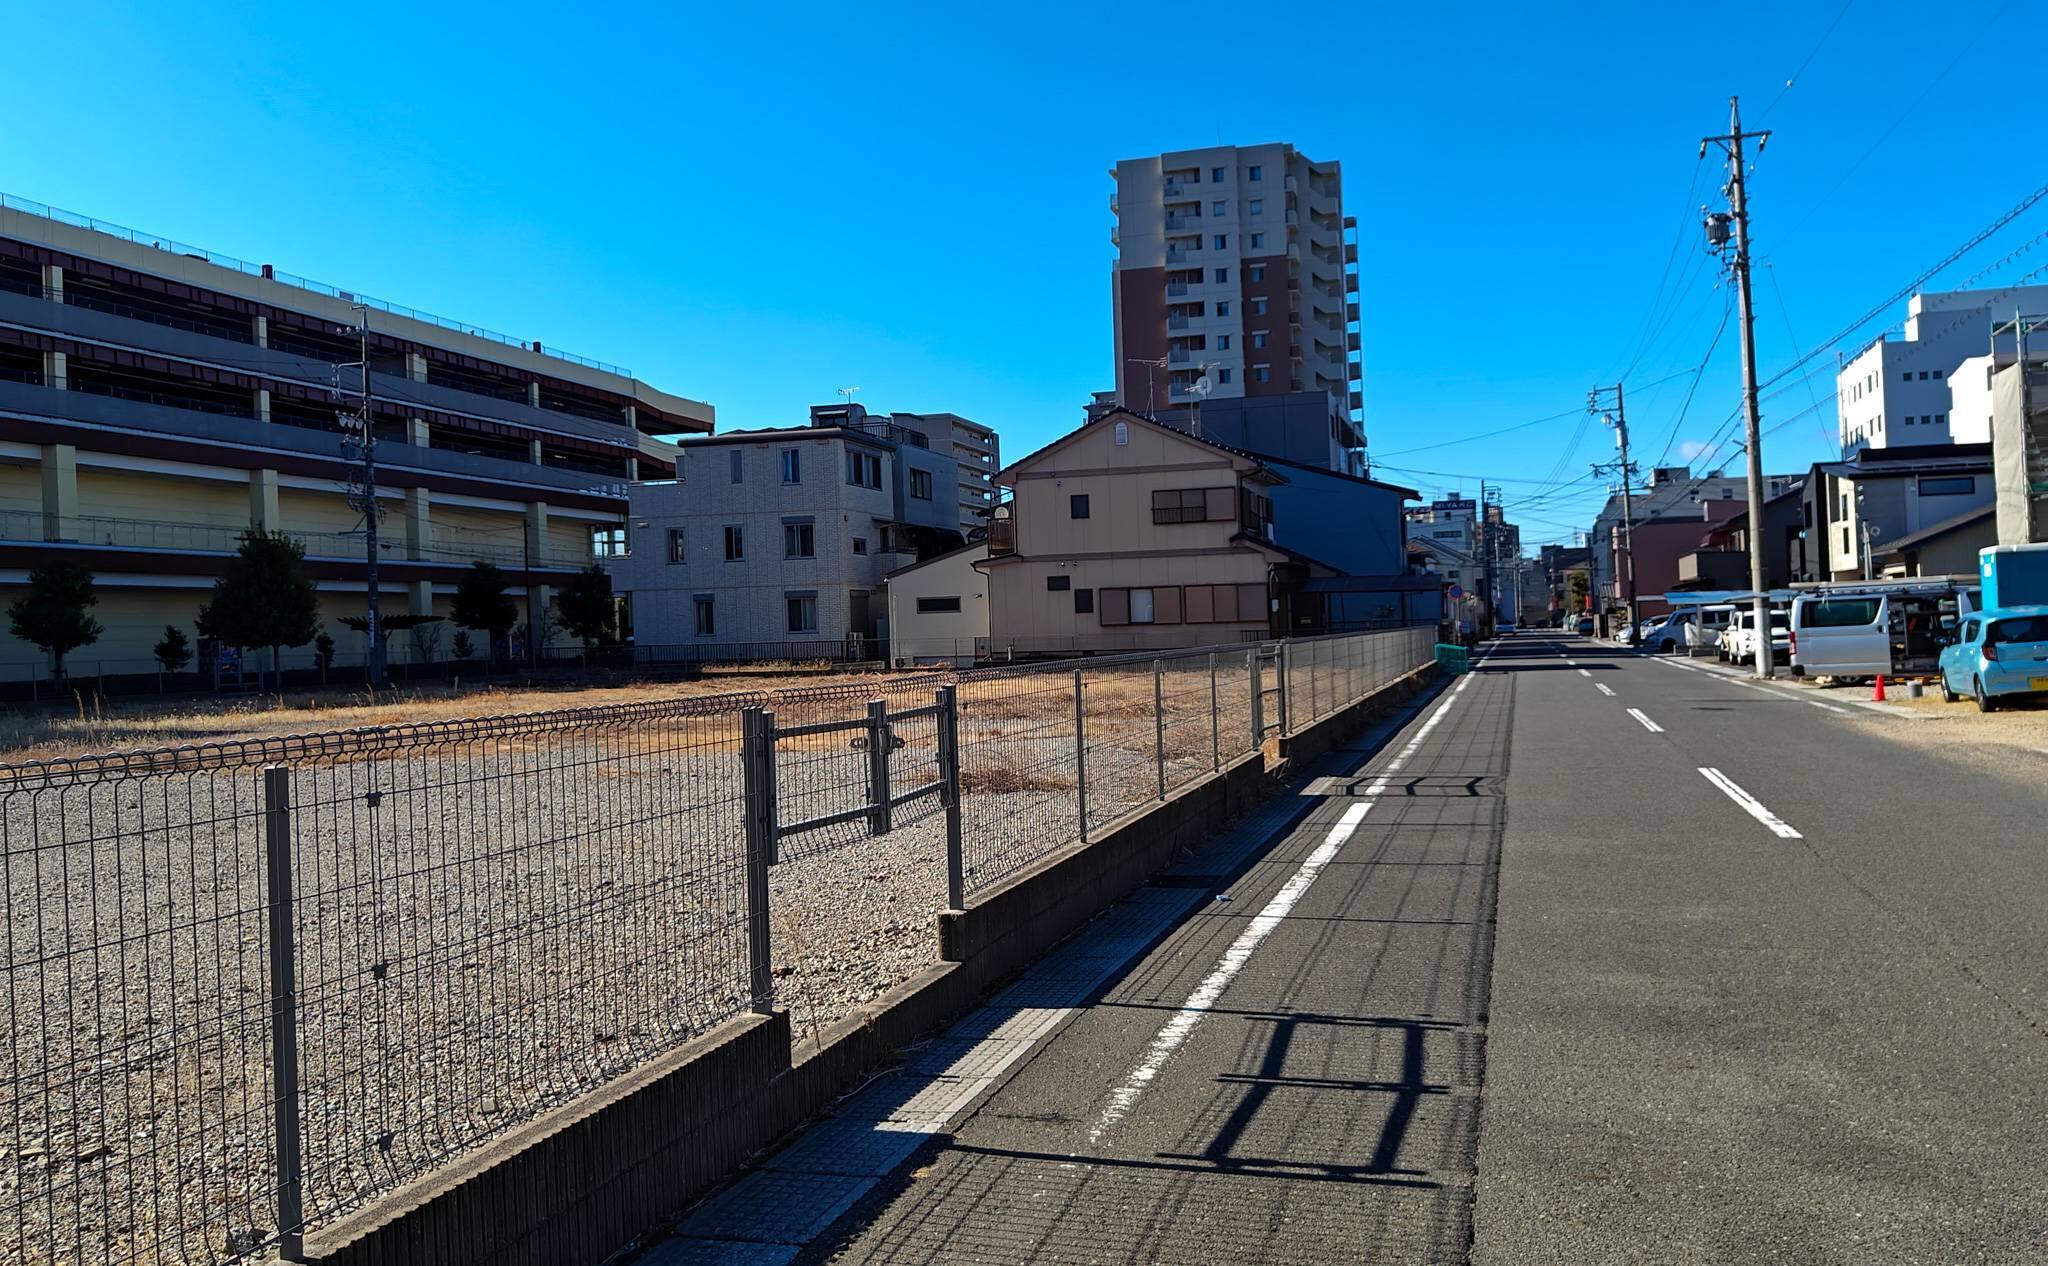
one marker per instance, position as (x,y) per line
(1258,699)
(1215,718)
(284,1013)
(949,774)
(1080,759)
(757,768)
(878,767)
(1159,723)
(1286,675)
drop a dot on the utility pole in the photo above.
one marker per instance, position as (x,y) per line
(1618,419)
(1488,599)
(1717,237)
(363,498)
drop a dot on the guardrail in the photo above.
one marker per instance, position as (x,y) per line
(254,984)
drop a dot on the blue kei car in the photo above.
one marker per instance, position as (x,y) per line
(1999,652)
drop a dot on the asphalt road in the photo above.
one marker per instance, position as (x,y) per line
(1591,958)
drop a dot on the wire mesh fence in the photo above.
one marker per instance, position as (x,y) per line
(250,986)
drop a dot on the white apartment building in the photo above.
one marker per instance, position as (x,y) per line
(973,446)
(771,542)
(1897,391)
(1236,263)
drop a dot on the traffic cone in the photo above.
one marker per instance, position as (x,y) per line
(1877,696)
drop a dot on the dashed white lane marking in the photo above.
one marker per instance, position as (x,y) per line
(1750,804)
(1601,686)
(1175,1032)
(1648,724)
(1584,673)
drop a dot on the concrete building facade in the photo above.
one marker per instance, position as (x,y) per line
(1898,391)
(938,608)
(1852,508)
(1235,264)
(157,399)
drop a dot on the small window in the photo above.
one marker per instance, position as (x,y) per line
(1223,375)
(1259,340)
(1948,486)
(675,544)
(921,484)
(792,466)
(735,543)
(1258,307)
(608,542)
(1258,206)
(1923,375)
(1261,374)
(1223,308)
(1222,275)
(1941,419)
(937,606)
(1257,271)
(1077,504)
(1906,377)
(860,544)
(1258,240)
(1180,505)
(1216,175)
(802,613)
(1141,606)
(1222,342)
(1254,172)
(798,540)
(863,470)
(1222,241)
(1937,375)
(1219,207)
(1058,584)
(739,465)
(707,614)
(1084,602)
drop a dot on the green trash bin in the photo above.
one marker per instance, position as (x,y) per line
(1452,658)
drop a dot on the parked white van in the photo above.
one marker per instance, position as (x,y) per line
(1852,636)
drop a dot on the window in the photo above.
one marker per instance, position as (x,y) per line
(1907,376)
(1216,175)
(1258,206)
(792,466)
(1186,505)
(1941,419)
(802,612)
(739,465)
(921,484)
(1258,271)
(1258,240)
(937,606)
(1222,342)
(1077,504)
(1259,340)
(1120,434)
(707,614)
(1254,172)
(1948,486)
(886,542)
(1222,241)
(1221,604)
(1840,613)
(1923,375)
(1258,307)
(1261,374)
(1058,584)
(1084,602)
(608,542)
(2032,628)
(1937,375)
(860,544)
(863,470)
(1141,606)
(1222,375)
(675,545)
(735,543)
(1223,308)
(798,540)
(1219,207)
(1222,276)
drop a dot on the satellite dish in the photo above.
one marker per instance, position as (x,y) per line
(1203,386)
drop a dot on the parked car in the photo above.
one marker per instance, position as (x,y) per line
(1585,626)
(1703,631)
(1646,632)
(1670,633)
(1738,644)
(1844,636)
(1997,654)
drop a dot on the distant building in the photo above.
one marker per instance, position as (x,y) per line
(1235,264)
(1672,491)
(774,543)
(1879,495)
(973,447)
(157,399)
(1312,428)
(1896,392)
(938,608)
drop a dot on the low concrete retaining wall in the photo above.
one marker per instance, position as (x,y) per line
(577,1184)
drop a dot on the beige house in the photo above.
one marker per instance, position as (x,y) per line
(1128,535)
(938,608)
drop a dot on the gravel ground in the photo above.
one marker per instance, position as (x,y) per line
(489,921)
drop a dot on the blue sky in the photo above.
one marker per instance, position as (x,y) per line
(757,206)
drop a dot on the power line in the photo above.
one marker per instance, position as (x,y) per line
(1483,435)
(1700,372)
(1808,60)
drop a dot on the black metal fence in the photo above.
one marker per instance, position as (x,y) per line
(250,985)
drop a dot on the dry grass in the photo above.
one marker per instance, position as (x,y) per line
(93,724)
(1005,777)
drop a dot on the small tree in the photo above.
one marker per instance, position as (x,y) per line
(264,598)
(586,609)
(1578,585)
(53,612)
(174,651)
(481,603)
(461,645)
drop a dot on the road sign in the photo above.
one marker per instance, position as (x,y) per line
(1457,591)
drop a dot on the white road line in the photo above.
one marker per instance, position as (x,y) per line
(1176,1031)
(1584,673)
(1750,804)
(1601,686)
(1648,724)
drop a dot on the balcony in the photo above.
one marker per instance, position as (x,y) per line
(1183,223)
(1176,289)
(1175,189)
(1180,254)
(1115,236)
(1180,356)
(451,547)
(1176,323)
